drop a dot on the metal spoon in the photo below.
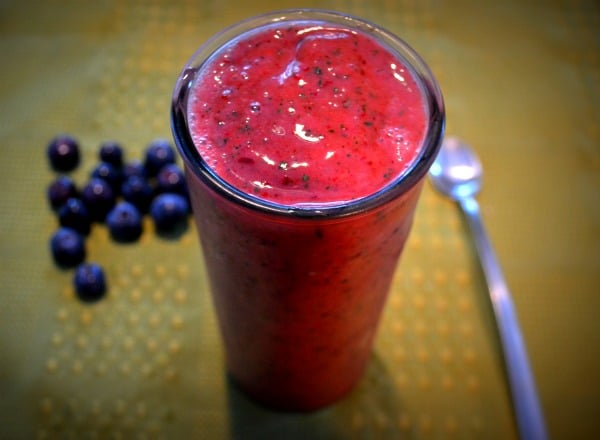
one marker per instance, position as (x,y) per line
(457,173)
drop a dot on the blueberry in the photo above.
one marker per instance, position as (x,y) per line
(99,198)
(158,154)
(90,282)
(133,168)
(171,179)
(63,153)
(138,191)
(67,247)
(74,214)
(61,190)
(169,212)
(112,153)
(124,222)
(110,173)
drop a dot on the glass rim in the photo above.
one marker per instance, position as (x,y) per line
(400,185)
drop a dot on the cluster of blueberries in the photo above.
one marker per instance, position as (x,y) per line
(118,194)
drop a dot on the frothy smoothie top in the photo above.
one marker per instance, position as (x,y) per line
(307,113)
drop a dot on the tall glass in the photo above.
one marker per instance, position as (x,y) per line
(299,289)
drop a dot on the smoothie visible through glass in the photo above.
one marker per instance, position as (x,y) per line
(305,135)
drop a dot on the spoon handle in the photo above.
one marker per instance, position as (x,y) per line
(528,412)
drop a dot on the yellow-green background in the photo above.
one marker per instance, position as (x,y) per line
(521,80)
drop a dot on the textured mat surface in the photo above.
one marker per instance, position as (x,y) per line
(522,84)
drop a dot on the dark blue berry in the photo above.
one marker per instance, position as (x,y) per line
(74,214)
(133,168)
(110,173)
(61,190)
(99,198)
(158,154)
(111,152)
(63,153)
(169,212)
(67,247)
(124,222)
(138,191)
(90,282)
(171,179)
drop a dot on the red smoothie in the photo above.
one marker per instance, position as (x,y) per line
(305,144)
(307,113)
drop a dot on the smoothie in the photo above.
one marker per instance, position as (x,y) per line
(305,141)
(307,113)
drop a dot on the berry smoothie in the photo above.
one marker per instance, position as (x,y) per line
(305,140)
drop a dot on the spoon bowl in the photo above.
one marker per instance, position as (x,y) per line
(457,171)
